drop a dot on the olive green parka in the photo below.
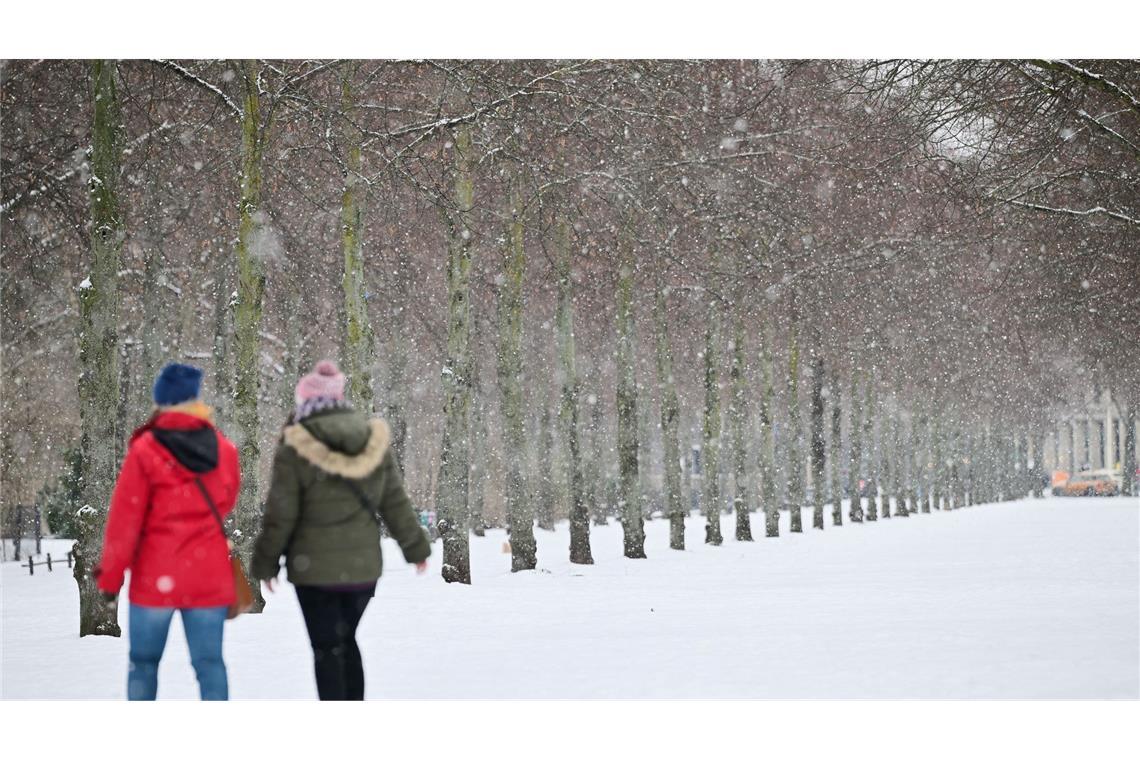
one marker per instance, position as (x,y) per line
(314,518)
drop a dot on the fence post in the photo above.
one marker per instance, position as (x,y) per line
(49,562)
(39,530)
(69,553)
(31,566)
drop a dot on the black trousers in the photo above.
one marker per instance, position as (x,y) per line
(331,618)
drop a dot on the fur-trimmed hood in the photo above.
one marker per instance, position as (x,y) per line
(321,455)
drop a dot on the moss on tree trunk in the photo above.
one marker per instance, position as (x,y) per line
(99,351)
(358,348)
(247,319)
(520,517)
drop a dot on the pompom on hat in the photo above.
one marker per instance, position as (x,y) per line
(177,383)
(325,381)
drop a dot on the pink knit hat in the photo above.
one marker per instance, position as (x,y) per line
(324,381)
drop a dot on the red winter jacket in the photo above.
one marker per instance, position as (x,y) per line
(160,527)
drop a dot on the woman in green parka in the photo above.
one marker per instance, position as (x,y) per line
(334,479)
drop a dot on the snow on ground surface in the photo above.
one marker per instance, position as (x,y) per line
(1035,598)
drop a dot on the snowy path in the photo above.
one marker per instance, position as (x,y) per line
(1024,599)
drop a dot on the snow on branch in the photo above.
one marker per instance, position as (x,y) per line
(1094,211)
(12,202)
(1107,130)
(1096,80)
(426,129)
(195,79)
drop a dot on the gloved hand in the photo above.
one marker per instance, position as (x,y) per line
(112,600)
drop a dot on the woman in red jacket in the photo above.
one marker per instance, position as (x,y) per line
(161,527)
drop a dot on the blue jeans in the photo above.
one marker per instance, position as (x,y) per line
(148,629)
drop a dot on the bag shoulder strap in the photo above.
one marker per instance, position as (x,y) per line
(359,493)
(213,507)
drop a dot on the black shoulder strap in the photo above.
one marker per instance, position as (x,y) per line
(361,498)
(213,507)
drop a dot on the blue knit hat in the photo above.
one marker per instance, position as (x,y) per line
(177,383)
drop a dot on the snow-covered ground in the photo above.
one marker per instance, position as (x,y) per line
(1036,598)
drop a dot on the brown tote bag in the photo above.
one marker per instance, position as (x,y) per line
(242,589)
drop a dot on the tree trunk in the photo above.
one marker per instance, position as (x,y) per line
(739,417)
(580,553)
(223,334)
(396,357)
(767,445)
(99,351)
(818,473)
(795,480)
(869,442)
(1128,461)
(921,473)
(477,487)
(543,474)
(836,435)
(630,507)
(520,517)
(596,476)
(359,350)
(247,320)
(124,403)
(885,454)
(711,438)
(670,436)
(898,470)
(1037,471)
(855,511)
(453,517)
(939,465)
(153,332)
(914,463)
(644,459)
